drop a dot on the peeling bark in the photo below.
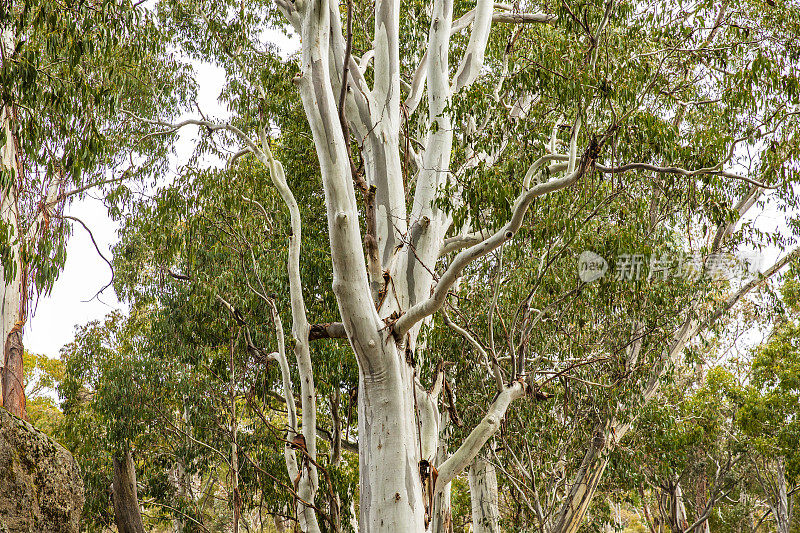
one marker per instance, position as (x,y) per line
(127,515)
(13,382)
(12,386)
(442,512)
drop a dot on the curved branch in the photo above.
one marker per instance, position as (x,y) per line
(436,301)
(97,248)
(680,171)
(487,427)
(458,242)
(472,62)
(495,367)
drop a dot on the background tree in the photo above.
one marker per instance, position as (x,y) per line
(768,416)
(201,260)
(485,137)
(66,70)
(43,375)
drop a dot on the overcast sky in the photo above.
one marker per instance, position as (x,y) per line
(55,316)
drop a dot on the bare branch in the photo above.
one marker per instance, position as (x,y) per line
(487,427)
(680,171)
(331,330)
(437,299)
(97,248)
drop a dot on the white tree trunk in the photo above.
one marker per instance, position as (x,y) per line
(442,512)
(389,441)
(389,453)
(779,501)
(394,429)
(679,510)
(304,476)
(484,496)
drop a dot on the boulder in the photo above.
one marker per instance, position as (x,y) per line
(41,490)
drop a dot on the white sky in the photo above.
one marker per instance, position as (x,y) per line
(53,322)
(54,318)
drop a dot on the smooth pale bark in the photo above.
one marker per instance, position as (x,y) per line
(127,514)
(442,512)
(484,496)
(412,276)
(672,508)
(382,157)
(391,492)
(392,435)
(774,485)
(487,427)
(389,452)
(308,481)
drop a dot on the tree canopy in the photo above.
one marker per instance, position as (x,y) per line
(443,237)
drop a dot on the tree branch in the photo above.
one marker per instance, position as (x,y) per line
(437,299)
(328,330)
(680,171)
(746,288)
(487,427)
(97,248)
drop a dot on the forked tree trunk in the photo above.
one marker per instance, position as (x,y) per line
(672,509)
(127,515)
(391,443)
(484,496)
(389,455)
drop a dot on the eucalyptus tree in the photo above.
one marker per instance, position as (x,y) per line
(100,423)
(65,68)
(203,258)
(455,122)
(686,452)
(768,418)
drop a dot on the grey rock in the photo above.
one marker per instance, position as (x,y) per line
(41,490)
